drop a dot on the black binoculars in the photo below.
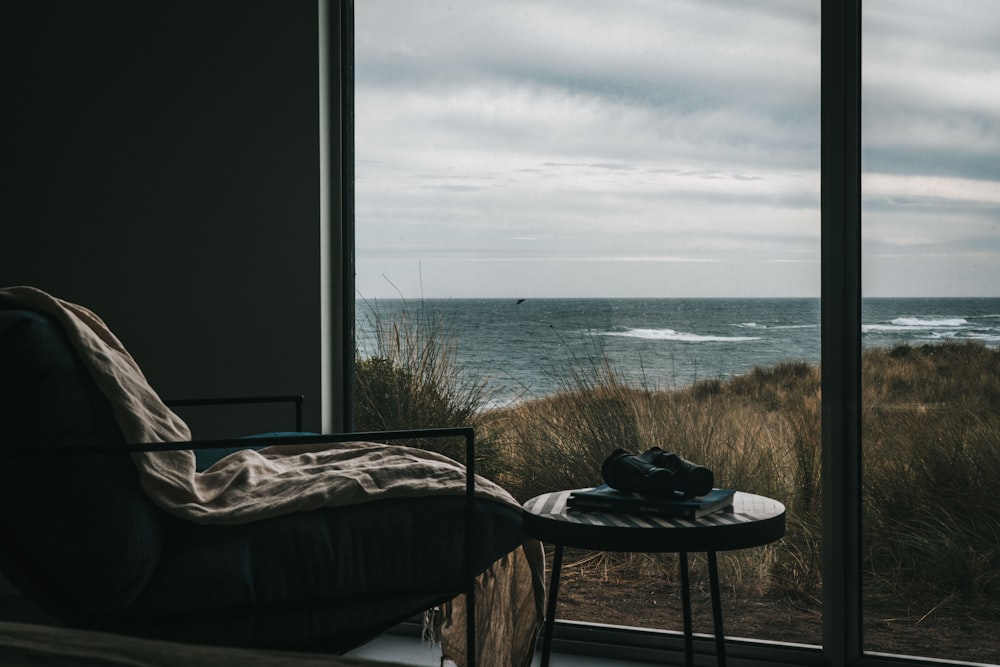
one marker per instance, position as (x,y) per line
(656,474)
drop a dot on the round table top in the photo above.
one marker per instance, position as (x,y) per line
(752,521)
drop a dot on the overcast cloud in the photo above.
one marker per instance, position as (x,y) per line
(665,148)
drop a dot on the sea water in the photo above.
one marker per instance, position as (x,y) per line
(526,348)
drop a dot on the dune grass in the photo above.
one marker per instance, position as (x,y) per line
(758,434)
(412,379)
(931,428)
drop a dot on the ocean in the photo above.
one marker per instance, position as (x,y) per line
(529,348)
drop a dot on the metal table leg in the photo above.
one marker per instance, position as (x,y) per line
(686,609)
(550,611)
(720,635)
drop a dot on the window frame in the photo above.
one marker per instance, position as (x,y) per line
(840,328)
(840,257)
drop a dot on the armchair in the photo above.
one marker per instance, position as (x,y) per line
(84,541)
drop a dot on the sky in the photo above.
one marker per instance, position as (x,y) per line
(665,148)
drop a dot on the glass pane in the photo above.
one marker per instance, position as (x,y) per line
(599,221)
(931,327)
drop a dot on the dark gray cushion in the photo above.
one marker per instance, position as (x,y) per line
(79,535)
(339,575)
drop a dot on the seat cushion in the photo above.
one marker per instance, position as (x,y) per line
(339,575)
(80,538)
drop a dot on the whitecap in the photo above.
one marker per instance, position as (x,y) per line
(915,324)
(980,336)
(754,325)
(928,324)
(670,334)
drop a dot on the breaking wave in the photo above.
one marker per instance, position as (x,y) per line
(913,323)
(754,325)
(670,334)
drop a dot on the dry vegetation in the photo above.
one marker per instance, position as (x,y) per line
(931,431)
(931,428)
(758,433)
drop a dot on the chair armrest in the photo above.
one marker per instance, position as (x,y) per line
(242,400)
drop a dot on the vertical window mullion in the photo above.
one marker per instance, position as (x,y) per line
(841,328)
(347,205)
(336,224)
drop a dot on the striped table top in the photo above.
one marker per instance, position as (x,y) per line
(752,521)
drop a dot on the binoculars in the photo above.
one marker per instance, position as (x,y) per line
(656,474)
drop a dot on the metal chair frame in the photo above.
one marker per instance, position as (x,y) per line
(468,584)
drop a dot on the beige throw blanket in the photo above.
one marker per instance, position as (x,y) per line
(251,485)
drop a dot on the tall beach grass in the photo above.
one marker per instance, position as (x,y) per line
(931,428)
(410,378)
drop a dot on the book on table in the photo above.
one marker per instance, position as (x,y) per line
(606,499)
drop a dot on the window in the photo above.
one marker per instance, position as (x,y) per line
(463,139)
(563,185)
(931,375)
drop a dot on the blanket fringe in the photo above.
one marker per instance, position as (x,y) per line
(433,621)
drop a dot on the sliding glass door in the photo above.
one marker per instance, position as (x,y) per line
(573,209)
(931,328)
(599,222)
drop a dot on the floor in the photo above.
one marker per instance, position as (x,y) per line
(408,650)
(405,649)
(400,648)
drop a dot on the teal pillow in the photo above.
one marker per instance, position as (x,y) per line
(206,458)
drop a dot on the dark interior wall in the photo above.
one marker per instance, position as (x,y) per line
(163,170)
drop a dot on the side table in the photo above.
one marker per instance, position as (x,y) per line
(752,521)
